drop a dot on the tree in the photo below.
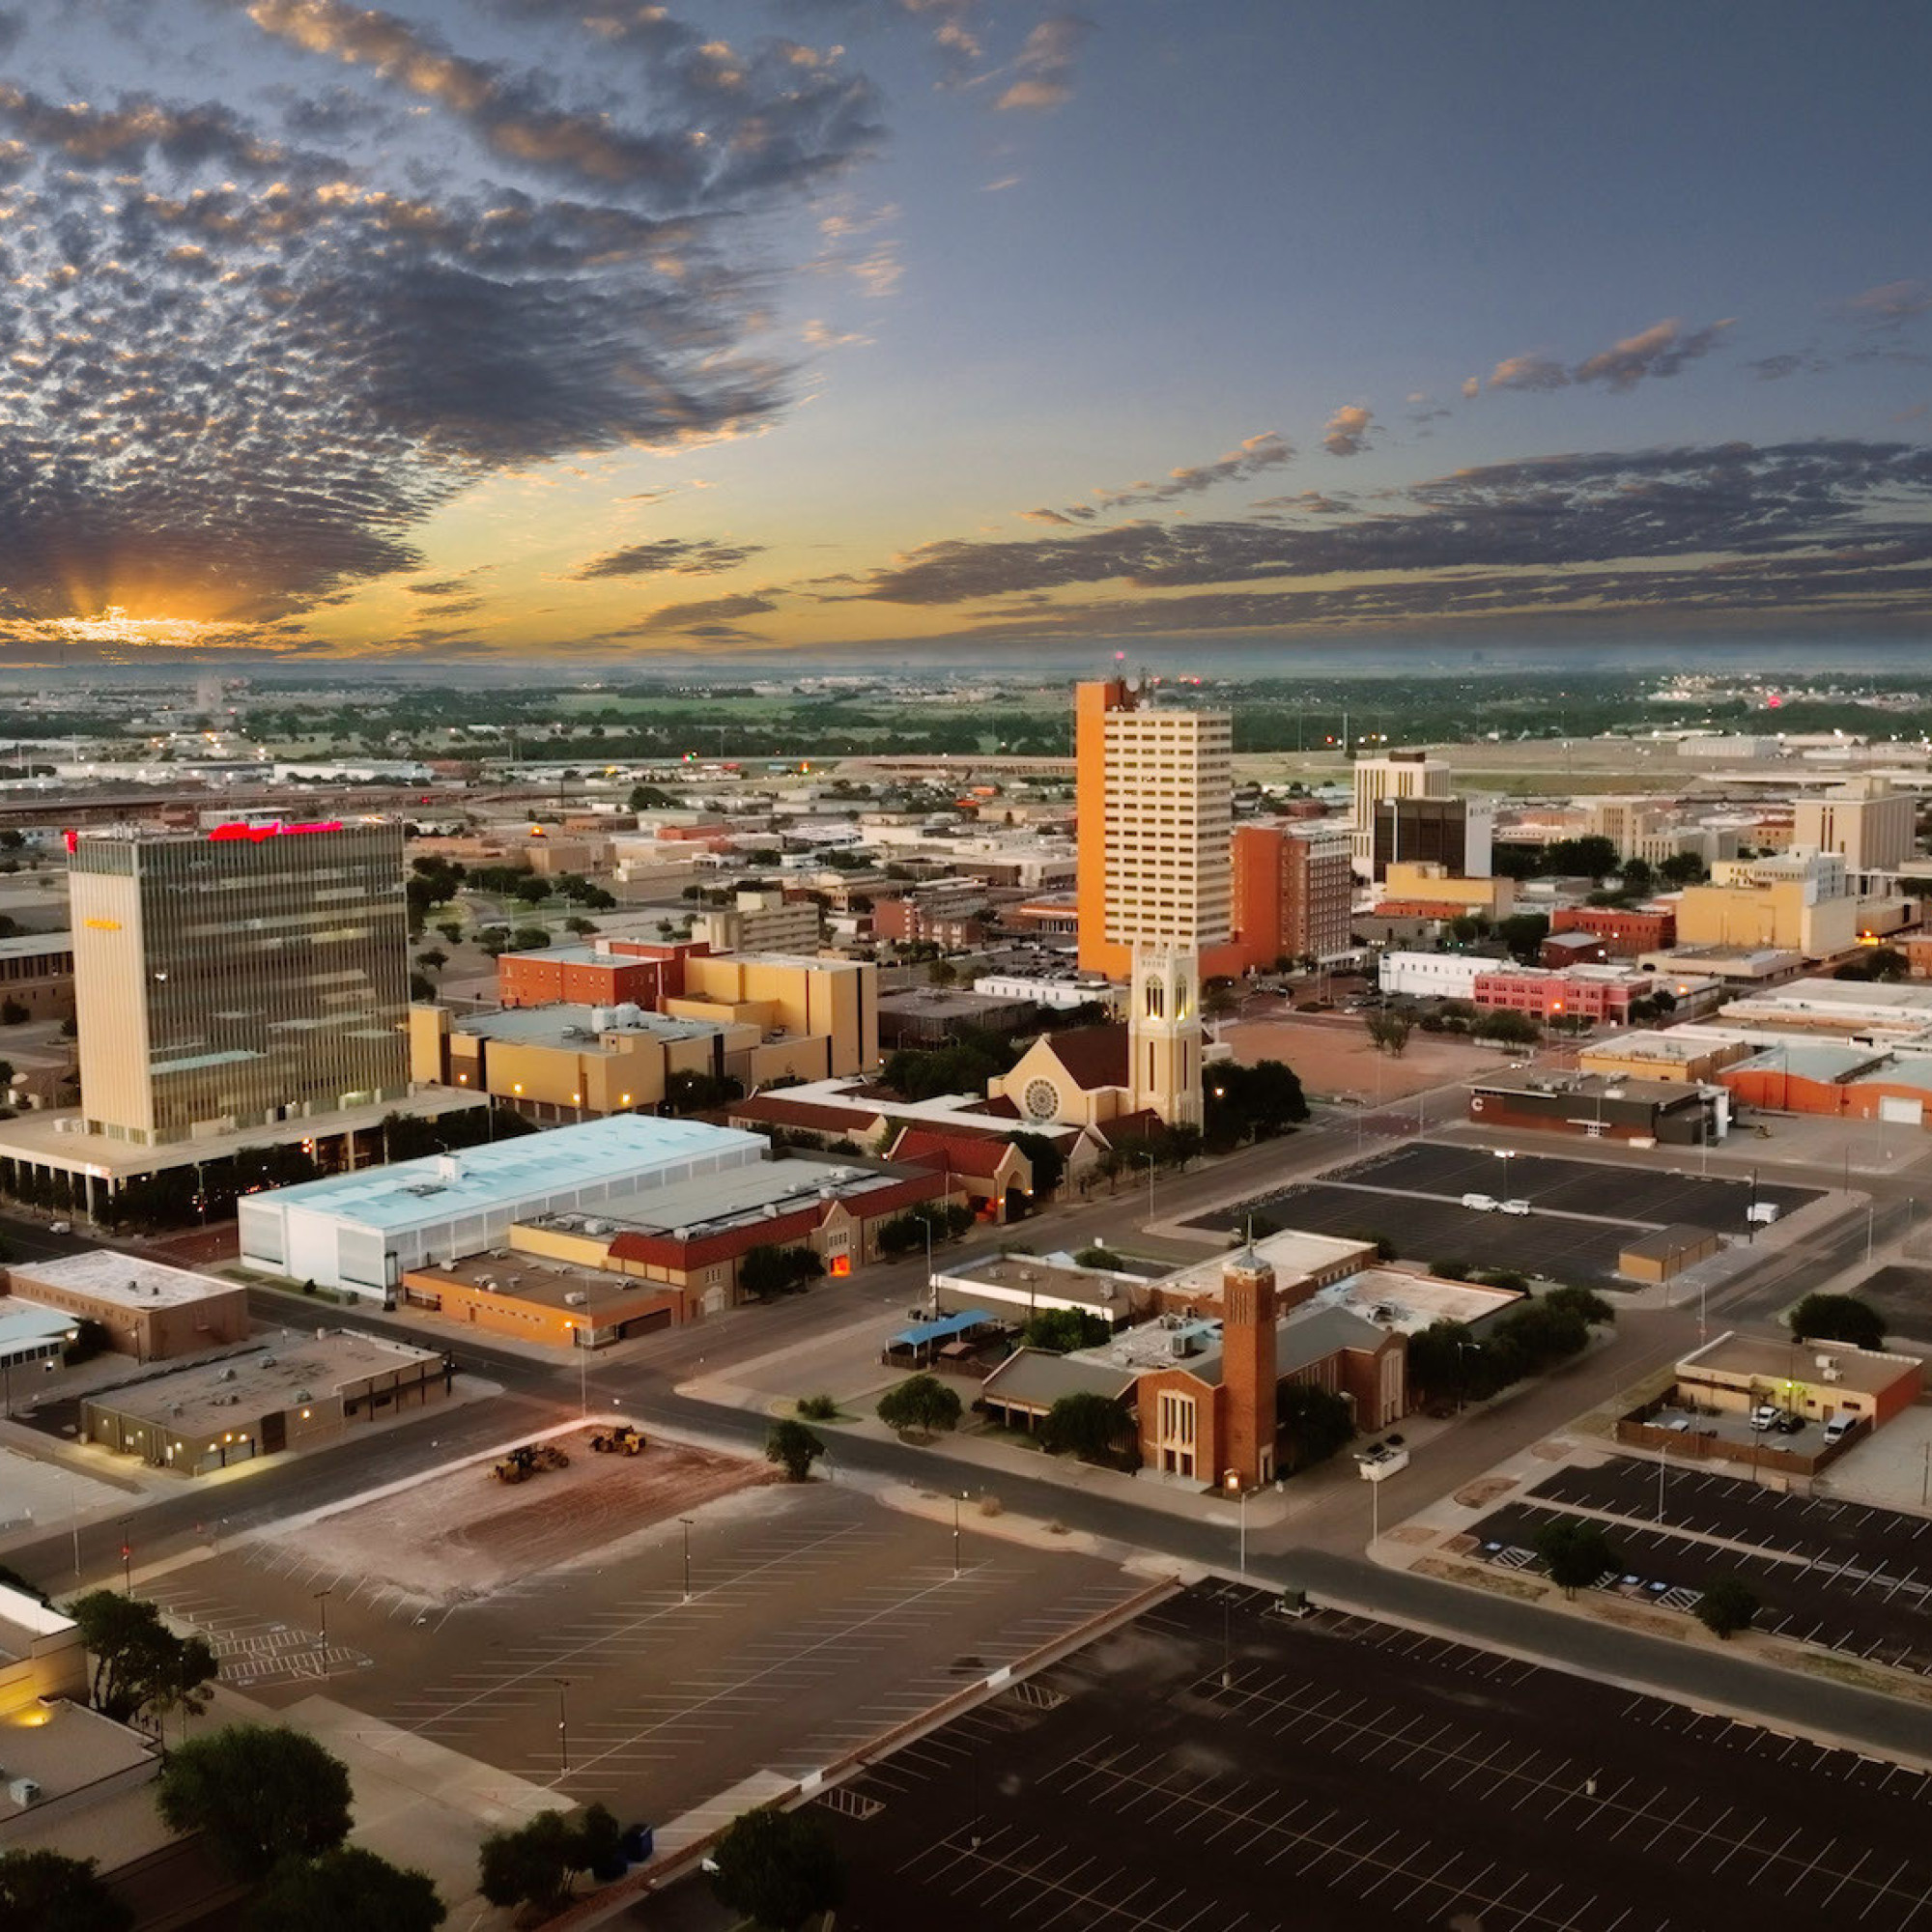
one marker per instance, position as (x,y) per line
(431,959)
(1060,1331)
(1045,1159)
(942,972)
(44,1891)
(138,1662)
(768,1269)
(256,1794)
(778,1868)
(1576,1552)
(1887,962)
(12,1012)
(921,1405)
(531,938)
(347,1887)
(1682,869)
(1085,1425)
(1837,1317)
(794,1448)
(537,1864)
(1311,1424)
(1728,1606)
(1389,1030)
(1524,934)
(1637,877)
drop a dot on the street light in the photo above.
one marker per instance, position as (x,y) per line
(1233,1484)
(322,1604)
(583,1367)
(955,1537)
(931,1279)
(562,1727)
(1148,1158)
(683,1523)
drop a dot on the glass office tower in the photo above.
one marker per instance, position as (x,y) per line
(236,979)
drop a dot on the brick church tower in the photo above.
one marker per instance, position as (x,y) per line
(1248,1312)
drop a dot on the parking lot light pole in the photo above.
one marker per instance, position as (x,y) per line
(321,1604)
(1663,1464)
(562,1727)
(956,1536)
(683,1523)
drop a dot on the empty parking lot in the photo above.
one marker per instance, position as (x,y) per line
(1840,1576)
(1213,1766)
(816,1620)
(1582,1213)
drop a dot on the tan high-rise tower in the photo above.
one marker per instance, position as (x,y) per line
(1153,792)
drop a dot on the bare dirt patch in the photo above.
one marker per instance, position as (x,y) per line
(462,1535)
(1333,1057)
(1480,1494)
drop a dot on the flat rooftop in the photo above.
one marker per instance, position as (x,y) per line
(54,1137)
(33,945)
(1409,1303)
(65,1748)
(716,1202)
(1761,1359)
(548,1282)
(502,1172)
(129,1281)
(1294,1256)
(1020,1275)
(567,1024)
(242,1388)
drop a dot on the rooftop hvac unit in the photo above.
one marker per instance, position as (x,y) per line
(268,1361)
(577,1298)
(596,1227)
(1181,1344)
(302,1395)
(1834,1375)
(226,1376)
(1825,1361)
(23,1791)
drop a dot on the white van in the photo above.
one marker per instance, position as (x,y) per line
(1839,1427)
(1483,1203)
(1516,1207)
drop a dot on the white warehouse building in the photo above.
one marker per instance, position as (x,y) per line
(361,1232)
(1438,976)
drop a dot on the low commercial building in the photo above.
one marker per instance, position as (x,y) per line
(1666,1252)
(363,1232)
(1430,888)
(150,1311)
(605,973)
(291,1395)
(1625,933)
(1819,1381)
(37,976)
(1670,1113)
(924,1016)
(1853,1009)
(1844,1082)
(1693,1057)
(531,1297)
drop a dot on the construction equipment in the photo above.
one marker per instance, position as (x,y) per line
(622,1440)
(522,1463)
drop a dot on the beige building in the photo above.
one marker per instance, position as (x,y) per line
(1796,901)
(1866,823)
(759,923)
(1662,1055)
(237,979)
(1429,882)
(1155,798)
(789,995)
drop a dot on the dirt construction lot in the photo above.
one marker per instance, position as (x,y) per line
(1333,1058)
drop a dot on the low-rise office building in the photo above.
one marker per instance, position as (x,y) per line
(36,974)
(1670,1113)
(1819,1381)
(289,1396)
(150,1311)
(363,1232)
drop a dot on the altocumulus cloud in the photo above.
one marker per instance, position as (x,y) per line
(250,350)
(1846,521)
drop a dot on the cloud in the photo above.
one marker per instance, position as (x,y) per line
(252,347)
(1251,457)
(1660,349)
(702,613)
(1866,505)
(727,124)
(448,586)
(1891,303)
(1044,68)
(686,557)
(1776,368)
(1471,385)
(1346,433)
(1525,372)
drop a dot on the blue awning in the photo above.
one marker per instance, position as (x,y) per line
(941,1330)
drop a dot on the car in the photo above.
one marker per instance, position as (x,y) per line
(1839,1427)
(1516,1208)
(1788,1425)
(1481,1203)
(60,1226)
(1764,1416)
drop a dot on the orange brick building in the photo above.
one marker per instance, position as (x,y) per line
(608,973)
(1626,935)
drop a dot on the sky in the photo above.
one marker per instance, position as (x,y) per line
(511,331)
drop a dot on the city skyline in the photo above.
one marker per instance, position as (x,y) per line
(500,330)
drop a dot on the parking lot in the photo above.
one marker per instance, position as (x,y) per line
(1828,1590)
(815,1619)
(1213,1766)
(1582,1213)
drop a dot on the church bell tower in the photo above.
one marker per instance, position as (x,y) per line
(1164,1035)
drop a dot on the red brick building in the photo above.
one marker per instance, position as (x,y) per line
(1626,935)
(1582,994)
(606,973)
